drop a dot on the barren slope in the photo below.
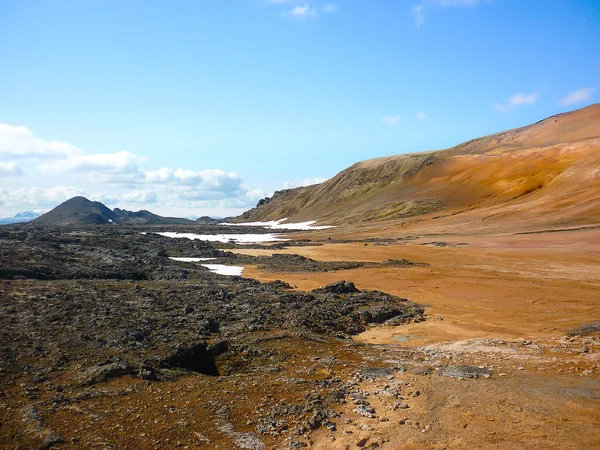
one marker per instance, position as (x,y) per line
(543,175)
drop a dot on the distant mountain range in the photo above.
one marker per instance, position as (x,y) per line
(21,217)
(81,211)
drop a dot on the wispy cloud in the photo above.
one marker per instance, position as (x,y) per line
(578,96)
(421,115)
(419,13)
(301,12)
(391,121)
(330,8)
(516,100)
(292,9)
(420,10)
(458,2)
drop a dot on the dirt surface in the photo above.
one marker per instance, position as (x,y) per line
(500,301)
(506,285)
(109,343)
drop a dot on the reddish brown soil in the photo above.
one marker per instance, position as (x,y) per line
(489,298)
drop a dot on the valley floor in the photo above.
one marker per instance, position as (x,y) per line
(109,342)
(504,302)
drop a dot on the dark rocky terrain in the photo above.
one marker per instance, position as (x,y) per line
(93,315)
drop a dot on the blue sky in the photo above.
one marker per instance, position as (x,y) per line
(202,107)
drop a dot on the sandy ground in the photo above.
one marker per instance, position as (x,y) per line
(503,302)
(515,286)
(499,303)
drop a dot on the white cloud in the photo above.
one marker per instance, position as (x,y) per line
(121,173)
(519,99)
(19,142)
(230,204)
(330,8)
(190,195)
(212,179)
(391,121)
(206,195)
(256,194)
(164,175)
(301,11)
(113,163)
(39,197)
(578,96)
(176,201)
(419,10)
(10,169)
(304,182)
(104,198)
(140,197)
(421,115)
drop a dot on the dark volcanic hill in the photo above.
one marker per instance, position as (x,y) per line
(542,175)
(81,211)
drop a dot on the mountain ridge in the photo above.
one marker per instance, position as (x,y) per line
(21,217)
(544,174)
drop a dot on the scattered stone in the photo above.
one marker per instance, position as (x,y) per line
(362,442)
(34,425)
(453,400)
(586,329)
(105,371)
(463,372)
(339,287)
(376,372)
(365,410)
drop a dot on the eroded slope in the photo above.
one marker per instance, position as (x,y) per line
(543,175)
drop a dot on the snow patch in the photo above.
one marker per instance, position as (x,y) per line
(221,269)
(190,259)
(236,238)
(278,225)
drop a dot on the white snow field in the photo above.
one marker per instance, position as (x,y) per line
(278,225)
(221,269)
(190,259)
(237,238)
